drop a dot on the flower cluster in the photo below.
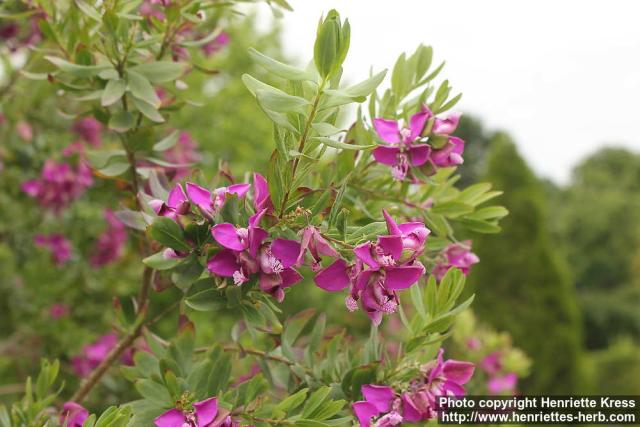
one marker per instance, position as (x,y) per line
(205,413)
(418,402)
(499,381)
(380,269)
(59,247)
(59,184)
(425,143)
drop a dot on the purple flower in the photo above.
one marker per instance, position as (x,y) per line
(177,204)
(93,354)
(502,383)
(317,246)
(210,202)
(200,414)
(246,254)
(450,154)
(111,243)
(414,235)
(261,196)
(183,153)
(457,255)
(73,414)
(148,9)
(217,44)
(446,126)
(492,363)
(89,129)
(57,245)
(440,378)
(401,151)
(59,184)
(379,400)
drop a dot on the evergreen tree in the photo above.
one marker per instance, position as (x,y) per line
(522,284)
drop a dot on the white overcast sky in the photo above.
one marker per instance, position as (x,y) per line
(562,77)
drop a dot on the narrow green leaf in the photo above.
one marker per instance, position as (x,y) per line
(113,92)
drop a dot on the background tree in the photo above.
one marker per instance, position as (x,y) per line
(522,284)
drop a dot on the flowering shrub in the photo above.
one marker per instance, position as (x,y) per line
(363,205)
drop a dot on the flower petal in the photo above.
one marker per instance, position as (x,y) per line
(417,121)
(223,264)
(386,155)
(239,189)
(392,225)
(387,130)
(200,196)
(261,197)
(392,245)
(286,251)
(334,277)
(290,277)
(227,235)
(380,395)
(419,154)
(364,412)
(402,277)
(458,371)
(176,196)
(206,411)
(363,252)
(171,418)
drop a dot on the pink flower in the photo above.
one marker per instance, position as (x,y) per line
(381,268)
(183,153)
(149,9)
(502,383)
(441,378)
(177,203)
(210,202)
(24,131)
(73,415)
(58,311)
(90,130)
(456,255)
(111,243)
(58,246)
(450,154)
(379,400)
(59,185)
(217,44)
(246,254)
(492,363)
(93,354)
(201,414)
(403,150)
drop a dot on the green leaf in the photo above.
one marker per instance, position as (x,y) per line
(160,71)
(281,102)
(113,92)
(168,233)
(207,300)
(452,209)
(291,402)
(148,110)
(167,142)
(142,89)
(154,392)
(326,129)
(158,261)
(121,121)
(186,273)
(479,226)
(278,68)
(80,71)
(115,168)
(314,401)
(340,145)
(365,88)
(490,212)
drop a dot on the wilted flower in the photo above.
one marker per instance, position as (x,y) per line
(59,184)
(261,196)
(440,378)
(380,403)
(111,243)
(403,150)
(73,414)
(58,246)
(457,255)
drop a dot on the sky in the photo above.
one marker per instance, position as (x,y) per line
(562,77)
